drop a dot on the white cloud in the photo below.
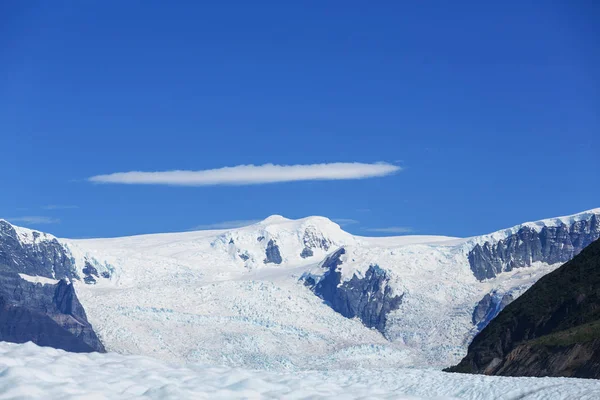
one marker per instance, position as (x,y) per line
(392,229)
(345,221)
(59,207)
(251,174)
(226,224)
(34,219)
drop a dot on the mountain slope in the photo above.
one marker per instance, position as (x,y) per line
(288,294)
(48,314)
(36,253)
(553,329)
(407,300)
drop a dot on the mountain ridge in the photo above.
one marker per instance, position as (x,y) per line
(197,296)
(276,219)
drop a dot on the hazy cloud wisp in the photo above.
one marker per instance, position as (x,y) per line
(226,224)
(345,221)
(34,219)
(251,174)
(392,229)
(59,207)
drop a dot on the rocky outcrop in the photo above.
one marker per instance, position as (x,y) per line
(368,298)
(46,314)
(490,306)
(272,253)
(91,273)
(313,239)
(40,255)
(307,252)
(550,244)
(553,329)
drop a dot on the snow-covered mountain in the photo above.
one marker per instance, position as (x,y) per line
(299,293)
(38,254)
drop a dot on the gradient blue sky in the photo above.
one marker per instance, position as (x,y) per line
(492,111)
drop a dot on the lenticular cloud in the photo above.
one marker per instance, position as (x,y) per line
(251,174)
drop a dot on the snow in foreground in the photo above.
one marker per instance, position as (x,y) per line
(29,371)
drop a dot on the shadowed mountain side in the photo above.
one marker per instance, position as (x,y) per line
(553,329)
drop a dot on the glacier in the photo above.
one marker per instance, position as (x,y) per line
(258,297)
(192,297)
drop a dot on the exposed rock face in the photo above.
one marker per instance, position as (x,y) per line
(550,245)
(369,298)
(39,257)
(48,315)
(307,252)
(313,239)
(89,272)
(487,309)
(272,253)
(553,329)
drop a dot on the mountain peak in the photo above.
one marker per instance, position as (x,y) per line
(274,219)
(25,235)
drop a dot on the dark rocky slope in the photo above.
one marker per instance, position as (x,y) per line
(553,329)
(550,245)
(273,255)
(48,315)
(41,256)
(369,298)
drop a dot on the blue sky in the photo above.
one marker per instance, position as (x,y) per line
(489,110)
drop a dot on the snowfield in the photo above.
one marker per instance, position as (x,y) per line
(237,297)
(226,314)
(210,297)
(31,372)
